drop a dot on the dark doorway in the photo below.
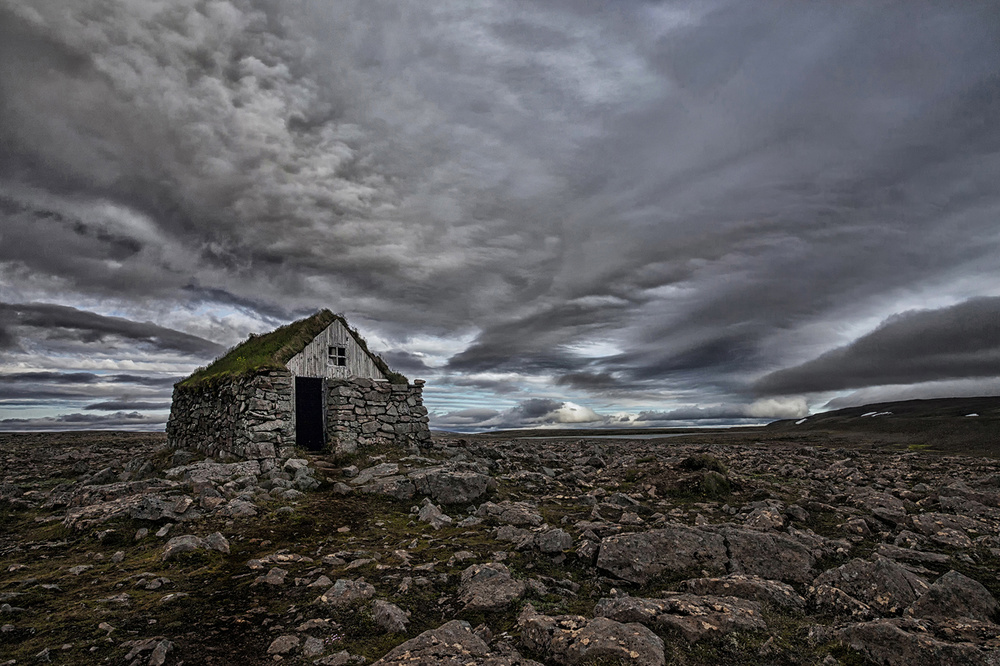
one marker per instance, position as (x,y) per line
(309,413)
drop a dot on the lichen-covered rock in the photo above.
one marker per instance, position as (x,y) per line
(345,592)
(829,600)
(754,588)
(572,639)
(449,486)
(768,555)
(397,486)
(429,513)
(955,596)
(898,642)
(882,584)
(185,543)
(518,514)
(488,587)
(451,644)
(695,617)
(637,557)
(390,617)
(553,541)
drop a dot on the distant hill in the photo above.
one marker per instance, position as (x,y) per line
(944,424)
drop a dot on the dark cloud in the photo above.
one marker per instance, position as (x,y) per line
(647,204)
(961,341)
(535,408)
(55,321)
(84,378)
(595,381)
(118,420)
(406,362)
(122,405)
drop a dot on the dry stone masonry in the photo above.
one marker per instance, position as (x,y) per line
(240,417)
(362,413)
(250,418)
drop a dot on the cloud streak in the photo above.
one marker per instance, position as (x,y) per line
(961,341)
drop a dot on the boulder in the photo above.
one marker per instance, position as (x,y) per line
(882,584)
(955,596)
(695,617)
(345,592)
(397,486)
(389,617)
(182,544)
(553,541)
(371,473)
(754,588)
(216,541)
(519,514)
(489,587)
(429,513)
(283,644)
(638,557)
(572,639)
(449,486)
(768,555)
(451,644)
(894,642)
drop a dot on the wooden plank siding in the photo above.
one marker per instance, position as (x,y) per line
(314,360)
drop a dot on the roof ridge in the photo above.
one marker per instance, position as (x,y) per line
(273,350)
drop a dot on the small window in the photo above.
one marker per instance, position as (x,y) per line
(338,356)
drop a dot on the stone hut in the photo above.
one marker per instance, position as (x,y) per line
(312,384)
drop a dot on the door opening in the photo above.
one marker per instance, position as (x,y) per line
(309,431)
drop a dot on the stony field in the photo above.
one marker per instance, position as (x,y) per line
(694,550)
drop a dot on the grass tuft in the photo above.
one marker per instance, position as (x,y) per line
(271,351)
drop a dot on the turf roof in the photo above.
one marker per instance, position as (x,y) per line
(273,350)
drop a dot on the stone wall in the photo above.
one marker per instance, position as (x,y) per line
(363,413)
(242,417)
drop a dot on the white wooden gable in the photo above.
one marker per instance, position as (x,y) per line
(334,353)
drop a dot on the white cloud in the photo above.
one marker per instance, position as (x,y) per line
(779,408)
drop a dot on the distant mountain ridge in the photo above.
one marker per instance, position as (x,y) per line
(940,423)
(937,409)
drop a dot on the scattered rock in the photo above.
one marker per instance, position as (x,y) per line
(637,557)
(345,592)
(754,588)
(571,639)
(186,543)
(695,617)
(489,587)
(429,513)
(451,644)
(283,644)
(390,617)
(449,486)
(881,584)
(955,596)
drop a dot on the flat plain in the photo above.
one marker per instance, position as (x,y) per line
(851,539)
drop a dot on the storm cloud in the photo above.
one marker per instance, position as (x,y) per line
(45,321)
(715,208)
(961,341)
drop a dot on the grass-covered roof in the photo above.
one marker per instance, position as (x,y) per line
(273,350)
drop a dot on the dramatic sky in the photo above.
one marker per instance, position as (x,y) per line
(557,211)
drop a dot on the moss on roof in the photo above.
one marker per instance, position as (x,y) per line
(272,351)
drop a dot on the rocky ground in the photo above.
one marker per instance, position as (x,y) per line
(689,550)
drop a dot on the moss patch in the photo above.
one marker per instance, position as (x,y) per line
(271,351)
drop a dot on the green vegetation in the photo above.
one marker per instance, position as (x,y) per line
(271,351)
(703,461)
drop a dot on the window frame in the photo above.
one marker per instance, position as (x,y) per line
(337,356)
